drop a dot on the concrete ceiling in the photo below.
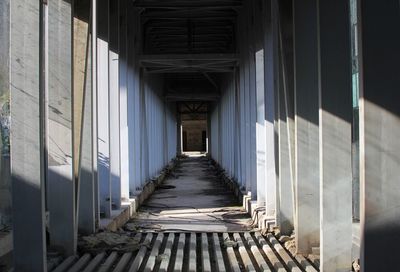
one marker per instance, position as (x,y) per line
(189,36)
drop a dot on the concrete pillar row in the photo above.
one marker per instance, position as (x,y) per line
(379,133)
(335,119)
(307,217)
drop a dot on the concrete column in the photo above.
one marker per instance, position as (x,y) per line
(246,109)
(260,128)
(219,133)
(133,101)
(87,190)
(95,113)
(103,115)
(144,129)
(114,100)
(306,125)
(61,181)
(123,99)
(271,92)
(236,129)
(242,103)
(379,134)
(335,117)
(252,110)
(179,133)
(27,152)
(285,212)
(209,130)
(286,121)
(5,121)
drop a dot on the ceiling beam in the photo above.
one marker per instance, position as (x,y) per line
(189,57)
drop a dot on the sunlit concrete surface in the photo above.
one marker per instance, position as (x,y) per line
(193,198)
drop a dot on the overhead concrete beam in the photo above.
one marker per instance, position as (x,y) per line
(215,58)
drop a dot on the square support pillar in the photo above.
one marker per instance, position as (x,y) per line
(134,99)
(260,128)
(114,103)
(86,171)
(285,211)
(271,92)
(60,174)
(123,99)
(379,134)
(179,133)
(209,130)
(335,119)
(286,196)
(103,110)
(27,152)
(305,24)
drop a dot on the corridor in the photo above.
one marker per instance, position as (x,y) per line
(193,198)
(192,222)
(186,128)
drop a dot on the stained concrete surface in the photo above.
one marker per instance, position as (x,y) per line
(192,199)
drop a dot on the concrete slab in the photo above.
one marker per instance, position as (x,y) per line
(193,201)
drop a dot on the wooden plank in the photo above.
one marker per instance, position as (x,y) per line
(234,264)
(276,263)
(282,252)
(218,254)
(205,254)
(256,252)
(106,266)
(243,253)
(140,255)
(151,262)
(123,262)
(167,253)
(192,253)
(95,262)
(179,253)
(81,263)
